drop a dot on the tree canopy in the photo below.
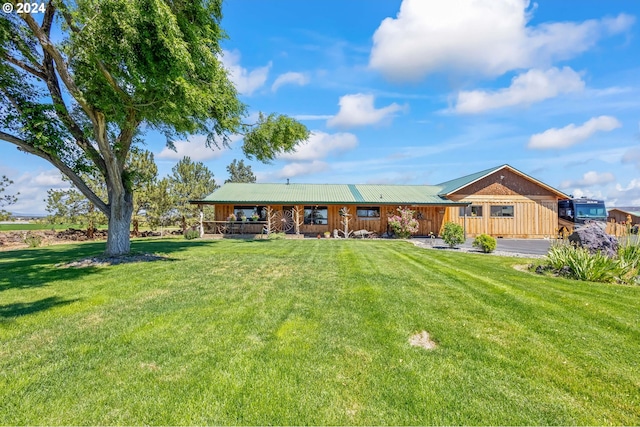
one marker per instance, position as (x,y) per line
(6,199)
(239,172)
(189,181)
(114,67)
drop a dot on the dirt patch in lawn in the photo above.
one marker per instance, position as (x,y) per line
(422,339)
(523,267)
(105,261)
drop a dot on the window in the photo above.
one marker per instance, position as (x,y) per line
(367,213)
(502,211)
(475,211)
(594,210)
(249,212)
(316,215)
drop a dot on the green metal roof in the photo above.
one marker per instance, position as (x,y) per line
(327,194)
(373,194)
(452,186)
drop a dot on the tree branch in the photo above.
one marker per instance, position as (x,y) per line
(62,167)
(123,142)
(113,171)
(47,20)
(63,113)
(20,64)
(61,66)
(112,82)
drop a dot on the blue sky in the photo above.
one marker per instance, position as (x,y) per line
(421,91)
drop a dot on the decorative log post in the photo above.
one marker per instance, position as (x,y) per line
(298,218)
(346,217)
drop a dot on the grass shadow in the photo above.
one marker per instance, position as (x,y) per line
(18,309)
(38,267)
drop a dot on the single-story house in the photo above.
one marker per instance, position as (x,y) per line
(500,201)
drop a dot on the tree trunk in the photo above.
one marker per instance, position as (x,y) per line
(118,239)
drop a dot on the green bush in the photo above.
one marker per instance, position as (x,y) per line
(485,242)
(629,262)
(191,234)
(33,241)
(452,234)
(578,263)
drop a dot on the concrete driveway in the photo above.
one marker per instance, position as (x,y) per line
(519,246)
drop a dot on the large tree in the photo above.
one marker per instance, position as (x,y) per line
(7,199)
(239,172)
(113,68)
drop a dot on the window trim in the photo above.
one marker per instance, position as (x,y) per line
(307,220)
(513,211)
(369,209)
(467,211)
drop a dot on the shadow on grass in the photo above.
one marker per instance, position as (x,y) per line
(23,308)
(33,268)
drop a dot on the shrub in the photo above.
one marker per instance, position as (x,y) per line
(191,234)
(33,241)
(629,262)
(403,225)
(578,263)
(485,242)
(452,234)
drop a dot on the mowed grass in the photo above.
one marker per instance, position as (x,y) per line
(310,332)
(27,226)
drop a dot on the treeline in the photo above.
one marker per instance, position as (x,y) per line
(157,202)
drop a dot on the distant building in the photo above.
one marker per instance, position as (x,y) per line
(623,214)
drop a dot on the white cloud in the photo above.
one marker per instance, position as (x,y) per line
(590,179)
(589,194)
(488,37)
(246,82)
(628,195)
(195,148)
(527,88)
(321,144)
(304,168)
(299,79)
(632,156)
(358,110)
(33,187)
(572,134)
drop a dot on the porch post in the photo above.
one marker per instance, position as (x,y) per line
(201,221)
(464,224)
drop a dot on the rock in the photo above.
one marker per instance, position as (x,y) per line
(594,238)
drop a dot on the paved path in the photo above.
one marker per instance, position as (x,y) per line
(512,246)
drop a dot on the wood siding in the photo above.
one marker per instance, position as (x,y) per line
(430,218)
(535,209)
(621,217)
(532,218)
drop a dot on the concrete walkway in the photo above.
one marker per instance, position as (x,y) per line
(514,246)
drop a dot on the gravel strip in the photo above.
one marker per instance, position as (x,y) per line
(473,250)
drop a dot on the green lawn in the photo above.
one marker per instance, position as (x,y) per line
(310,332)
(40,226)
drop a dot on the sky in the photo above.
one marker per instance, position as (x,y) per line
(424,91)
